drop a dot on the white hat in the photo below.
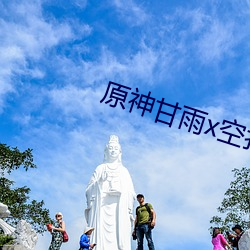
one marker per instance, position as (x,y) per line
(59,213)
(87,229)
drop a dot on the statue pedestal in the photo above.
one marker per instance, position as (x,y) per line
(13,247)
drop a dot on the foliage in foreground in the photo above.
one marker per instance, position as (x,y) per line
(235,207)
(17,199)
(6,240)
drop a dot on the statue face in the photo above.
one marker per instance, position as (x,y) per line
(114,150)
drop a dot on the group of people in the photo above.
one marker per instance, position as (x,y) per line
(144,223)
(57,236)
(219,241)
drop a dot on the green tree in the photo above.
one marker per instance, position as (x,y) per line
(235,207)
(17,199)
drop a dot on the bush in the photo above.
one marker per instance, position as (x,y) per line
(6,240)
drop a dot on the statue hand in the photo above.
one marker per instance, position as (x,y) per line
(104,176)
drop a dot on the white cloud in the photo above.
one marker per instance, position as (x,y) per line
(32,33)
(199,33)
(25,36)
(138,66)
(198,20)
(217,42)
(131,12)
(77,101)
(105,68)
(80,3)
(143,64)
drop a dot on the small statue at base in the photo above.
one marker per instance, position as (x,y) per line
(24,236)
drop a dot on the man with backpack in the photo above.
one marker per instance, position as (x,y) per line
(144,223)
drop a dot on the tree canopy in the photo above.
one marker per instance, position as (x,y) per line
(17,199)
(235,207)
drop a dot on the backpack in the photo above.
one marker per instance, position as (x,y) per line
(150,218)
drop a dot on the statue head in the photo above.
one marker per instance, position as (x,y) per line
(113,150)
(4,211)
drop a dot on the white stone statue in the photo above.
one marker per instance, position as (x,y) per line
(4,212)
(110,198)
(25,235)
(244,242)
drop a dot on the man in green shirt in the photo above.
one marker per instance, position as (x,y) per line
(144,223)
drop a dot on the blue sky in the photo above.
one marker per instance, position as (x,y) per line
(56,62)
